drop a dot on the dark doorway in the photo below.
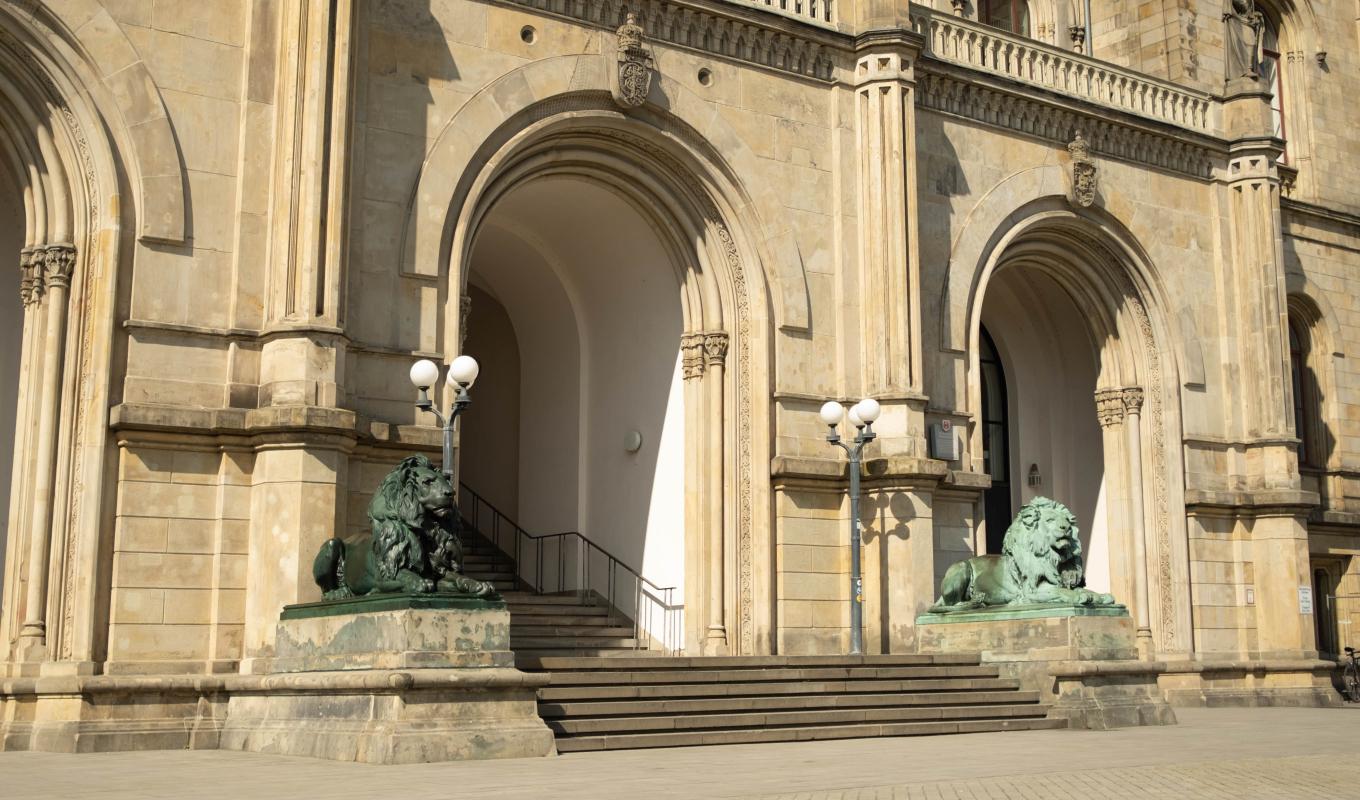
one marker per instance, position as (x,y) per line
(1324,612)
(995,444)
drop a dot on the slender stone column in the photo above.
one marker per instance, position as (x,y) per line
(1133,406)
(30,293)
(58,261)
(1110,415)
(715,354)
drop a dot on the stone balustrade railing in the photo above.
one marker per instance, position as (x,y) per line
(957,40)
(816,12)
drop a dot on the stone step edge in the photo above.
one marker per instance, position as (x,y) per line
(638,741)
(551,709)
(754,662)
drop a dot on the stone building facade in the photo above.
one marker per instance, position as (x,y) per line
(1118,274)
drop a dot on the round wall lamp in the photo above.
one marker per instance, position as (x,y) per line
(632,441)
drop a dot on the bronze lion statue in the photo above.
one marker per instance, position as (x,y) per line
(1040,563)
(413,547)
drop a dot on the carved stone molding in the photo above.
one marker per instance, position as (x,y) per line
(947,93)
(715,348)
(58,262)
(635,65)
(30,276)
(692,355)
(753,36)
(464,312)
(1132,398)
(1083,172)
(1110,407)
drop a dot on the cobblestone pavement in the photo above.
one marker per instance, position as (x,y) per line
(1243,754)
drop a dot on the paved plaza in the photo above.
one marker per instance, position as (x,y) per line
(1243,754)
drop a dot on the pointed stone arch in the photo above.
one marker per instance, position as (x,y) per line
(1101,265)
(73,159)
(667,170)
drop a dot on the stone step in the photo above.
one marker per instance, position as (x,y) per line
(564,615)
(536,631)
(710,663)
(568,598)
(576,744)
(840,687)
(534,653)
(637,673)
(788,719)
(518,643)
(796,702)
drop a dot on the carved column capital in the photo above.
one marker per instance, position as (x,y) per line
(692,355)
(715,348)
(1133,399)
(1110,407)
(58,262)
(30,276)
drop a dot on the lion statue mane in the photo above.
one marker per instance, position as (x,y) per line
(413,548)
(1040,563)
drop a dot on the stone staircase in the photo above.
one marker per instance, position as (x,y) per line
(605,693)
(567,624)
(627,703)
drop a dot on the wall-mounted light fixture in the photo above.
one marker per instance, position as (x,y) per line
(1035,478)
(632,441)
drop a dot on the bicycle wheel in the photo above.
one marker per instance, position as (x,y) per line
(1350,679)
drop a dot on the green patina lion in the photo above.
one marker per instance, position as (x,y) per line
(413,547)
(1040,563)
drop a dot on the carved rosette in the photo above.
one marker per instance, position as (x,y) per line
(1083,172)
(1110,407)
(692,355)
(635,65)
(58,262)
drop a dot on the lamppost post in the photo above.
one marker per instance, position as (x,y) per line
(862,416)
(462,372)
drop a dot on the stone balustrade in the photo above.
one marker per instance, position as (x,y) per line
(980,47)
(816,12)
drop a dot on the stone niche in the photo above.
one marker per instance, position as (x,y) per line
(390,680)
(1082,659)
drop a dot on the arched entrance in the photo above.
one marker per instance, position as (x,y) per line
(638,312)
(1092,420)
(579,424)
(1041,343)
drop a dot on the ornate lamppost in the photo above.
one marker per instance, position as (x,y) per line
(462,373)
(862,416)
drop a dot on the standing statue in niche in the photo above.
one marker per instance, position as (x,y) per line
(414,546)
(1243,25)
(1040,564)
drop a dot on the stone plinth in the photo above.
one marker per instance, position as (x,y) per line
(1051,649)
(397,680)
(397,632)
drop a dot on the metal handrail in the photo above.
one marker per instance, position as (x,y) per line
(575,574)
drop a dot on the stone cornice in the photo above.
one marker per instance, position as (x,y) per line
(1122,113)
(749,33)
(961,92)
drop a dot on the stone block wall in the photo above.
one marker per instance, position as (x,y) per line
(812,563)
(1222,573)
(179,559)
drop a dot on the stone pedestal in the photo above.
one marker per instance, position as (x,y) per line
(394,680)
(1083,659)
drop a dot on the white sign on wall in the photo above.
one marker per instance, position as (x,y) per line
(1305,599)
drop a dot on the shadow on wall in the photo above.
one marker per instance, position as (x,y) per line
(939,179)
(11,340)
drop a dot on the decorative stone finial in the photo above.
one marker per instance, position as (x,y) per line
(636,65)
(1083,172)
